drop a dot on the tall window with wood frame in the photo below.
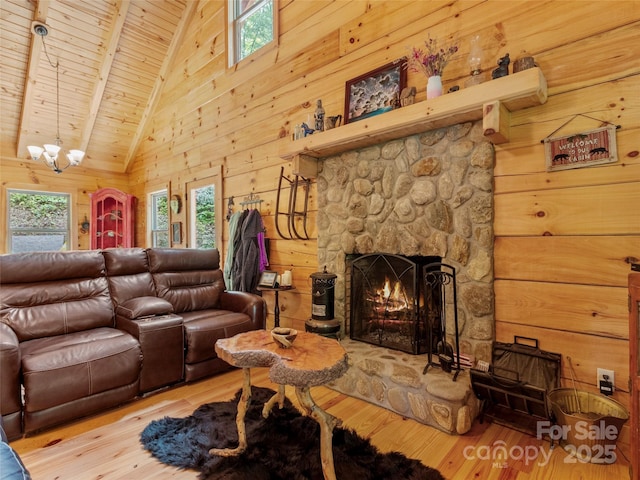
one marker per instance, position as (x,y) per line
(159,219)
(38,221)
(205,212)
(252,26)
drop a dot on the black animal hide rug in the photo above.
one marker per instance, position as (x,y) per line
(285,446)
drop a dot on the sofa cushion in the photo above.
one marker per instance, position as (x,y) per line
(144,307)
(190,291)
(204,327)
(183,259)
(35,267)
(128,274)
(52,293)
(190,279)
(60,369)
(55,308)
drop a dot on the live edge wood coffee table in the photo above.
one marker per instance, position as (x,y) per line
(312,360)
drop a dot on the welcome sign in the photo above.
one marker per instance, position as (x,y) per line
(581,149)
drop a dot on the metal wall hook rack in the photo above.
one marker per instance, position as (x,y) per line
(251,199)
(292,213)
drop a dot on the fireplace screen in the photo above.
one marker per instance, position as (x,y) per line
(387,301)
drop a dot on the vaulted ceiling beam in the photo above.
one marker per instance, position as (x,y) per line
(122,8)
(176,43)
(39,15)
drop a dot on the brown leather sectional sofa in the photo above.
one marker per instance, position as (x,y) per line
(83,331)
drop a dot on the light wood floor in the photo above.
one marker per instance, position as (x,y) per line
(107,446)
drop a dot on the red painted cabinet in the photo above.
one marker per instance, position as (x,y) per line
(112,219)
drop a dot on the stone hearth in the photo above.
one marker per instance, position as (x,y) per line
(394,380)
(428,194)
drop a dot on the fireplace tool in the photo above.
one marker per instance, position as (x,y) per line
(439,277)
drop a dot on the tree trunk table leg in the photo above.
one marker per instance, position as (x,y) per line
(327,423)
(277,397)
(243,406)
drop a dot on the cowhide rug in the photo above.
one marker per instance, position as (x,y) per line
(286,446)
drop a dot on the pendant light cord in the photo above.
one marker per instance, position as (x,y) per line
(46,53)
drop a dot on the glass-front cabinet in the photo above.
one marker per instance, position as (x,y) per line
(112,219)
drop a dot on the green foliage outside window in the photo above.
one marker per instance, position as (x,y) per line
(38,221)
(160,219)
(43,211)
(205,217)
(256,30)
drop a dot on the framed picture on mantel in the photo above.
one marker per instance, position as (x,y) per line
(375,92)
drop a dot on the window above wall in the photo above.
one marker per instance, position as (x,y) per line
(38,221)
(158,219)
(252,26)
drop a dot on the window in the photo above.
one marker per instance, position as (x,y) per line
(203,208)
(205,215)
(159,219)
(38,221)
(251,27)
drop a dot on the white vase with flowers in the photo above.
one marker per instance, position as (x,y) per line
(431,62)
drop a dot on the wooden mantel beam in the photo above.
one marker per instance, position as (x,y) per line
(491,101)
(496,121)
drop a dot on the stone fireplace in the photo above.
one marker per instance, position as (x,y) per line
(425,195)
(429,194)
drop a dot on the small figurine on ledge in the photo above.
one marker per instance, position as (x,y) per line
(306,130)
(319,116)
(407,96)
(503,67)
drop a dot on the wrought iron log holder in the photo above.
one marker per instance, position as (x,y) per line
(440,277)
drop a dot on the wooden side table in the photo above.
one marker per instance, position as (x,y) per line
(312,360)
(276,309)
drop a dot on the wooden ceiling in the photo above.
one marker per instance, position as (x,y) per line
(113,56)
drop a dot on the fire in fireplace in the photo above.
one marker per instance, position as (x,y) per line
(388,298)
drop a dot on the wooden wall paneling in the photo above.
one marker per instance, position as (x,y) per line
(598,260)
(592,210)
(301,255)
(304,23)
(608,55)
(297,17)
(589,309)
(384,18)
(249,99)
(523,170)
(618,106)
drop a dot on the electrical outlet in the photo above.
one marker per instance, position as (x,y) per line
(609,378)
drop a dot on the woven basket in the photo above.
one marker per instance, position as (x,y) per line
(593,423)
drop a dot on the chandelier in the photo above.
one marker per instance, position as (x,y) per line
(52,152)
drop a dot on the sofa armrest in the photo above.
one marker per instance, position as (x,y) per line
(245,302)
(9,371)
(138,327)
(140,307)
